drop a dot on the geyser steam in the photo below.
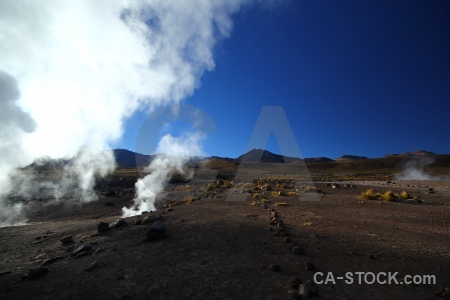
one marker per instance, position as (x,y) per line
(415,169)
(173,153)
(73,71)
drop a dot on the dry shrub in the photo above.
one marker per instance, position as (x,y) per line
(370,195)
(309,189)
(405,195)
(389,196)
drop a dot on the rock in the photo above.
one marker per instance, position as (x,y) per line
(99,250)
(5,273)
(82,248)
(291,245)
(293,294)
(109,203)
(138,222)
(67,239)
(309,266)
(52,260)
(275,267)
(151,219)
(157,231)
(273,222)
(102,227)
(287,239)
(169,209)
(307,290)
(95,265)
(371,256)
(119,223)
(35,273)
(297,250)
(81,254)
(110,193)
(295,282)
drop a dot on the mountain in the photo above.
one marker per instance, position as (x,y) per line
(411,154)
(318,159)
(259,155)
(350,158)
(130,159)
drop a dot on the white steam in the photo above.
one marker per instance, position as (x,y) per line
(72,71)
(415,169)
(174,152)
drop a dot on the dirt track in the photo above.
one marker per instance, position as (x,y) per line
(218,249)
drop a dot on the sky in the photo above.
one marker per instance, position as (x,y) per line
(353,77)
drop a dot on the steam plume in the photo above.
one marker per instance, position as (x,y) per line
(174,152)
(73,71)
(415,169)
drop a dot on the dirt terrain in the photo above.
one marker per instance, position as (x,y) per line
(220,249)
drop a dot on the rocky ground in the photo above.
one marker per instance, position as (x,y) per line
(218,249)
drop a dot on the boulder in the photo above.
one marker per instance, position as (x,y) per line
(151,219)
(157,231)
(66,240)
(82,248)
(35,273)
(94,265)
(119,223)
(102,227)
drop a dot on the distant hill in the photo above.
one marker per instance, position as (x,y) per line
(411,154)
(130,159)
(350,158)
(259,155)
(318,160)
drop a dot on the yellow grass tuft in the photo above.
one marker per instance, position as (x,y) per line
(370,195)
(405,195)
(280,204)
(389,196)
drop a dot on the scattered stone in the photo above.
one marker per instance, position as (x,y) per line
(292,245)
(273,223)
(293,294)
(169,209)
(138,222)
(295,282)
(119,223)
(307,290)
(82,248)
(102,227)
(287,239)
(297,250)
(67,239)
(52,260)
(151,219)
(110,193)
(283,233)
(371,256)
(157,231)
(309,266)
(35,273)
(37,242)
(81,254)
(99,250)
(275,267)
(95,265)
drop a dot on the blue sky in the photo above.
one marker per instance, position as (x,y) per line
(354,77)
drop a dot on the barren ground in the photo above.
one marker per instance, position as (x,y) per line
(218,249)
